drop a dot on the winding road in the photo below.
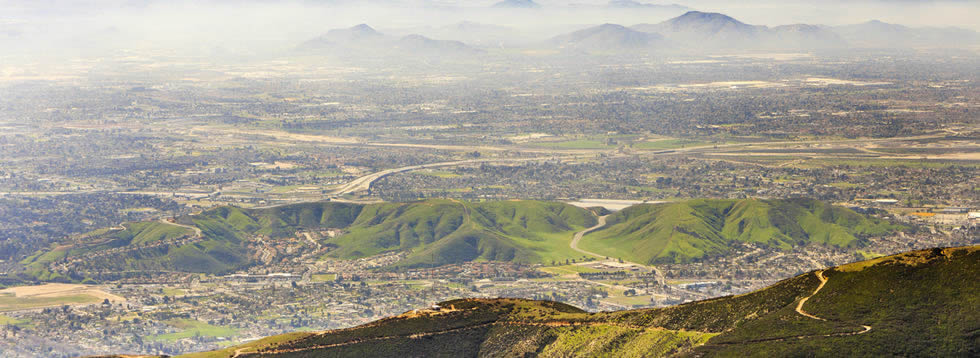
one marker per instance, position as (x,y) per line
(578,236)
(197,231)
(599,224)
(364,183)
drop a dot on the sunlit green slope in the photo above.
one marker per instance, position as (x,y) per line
(696,229)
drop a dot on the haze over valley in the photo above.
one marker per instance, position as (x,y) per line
(391,178)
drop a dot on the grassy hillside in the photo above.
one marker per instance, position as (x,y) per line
(921,303)
(139,234)
(702,228)
(434,232)
(277,221)
(438,232)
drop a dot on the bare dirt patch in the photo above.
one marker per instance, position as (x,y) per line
(53,294)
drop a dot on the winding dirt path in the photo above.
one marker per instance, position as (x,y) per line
(799,306)
(799,309)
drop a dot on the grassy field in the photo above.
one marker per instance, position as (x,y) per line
(7,320)
(555,246)
(630,301)
(669,144)
(10,303)
(574,144)
(326,277)
(191,328)
(569,269)
(169,291)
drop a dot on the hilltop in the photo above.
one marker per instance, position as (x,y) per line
(920,303)
(702,228)
(695,28)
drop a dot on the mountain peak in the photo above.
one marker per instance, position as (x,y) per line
(364,29)
(698,16)
(697,24)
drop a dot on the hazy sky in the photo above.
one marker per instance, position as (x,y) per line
(260,25)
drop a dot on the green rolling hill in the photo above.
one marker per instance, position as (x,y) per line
(433,233)
(144,234)
(438,232)
(921,303)
(703,228)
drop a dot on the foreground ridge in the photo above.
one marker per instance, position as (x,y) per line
(902,296)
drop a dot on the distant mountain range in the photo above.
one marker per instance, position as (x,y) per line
(692,32)
(884,35)
(362,39)
(625,4)
(915,304)
(701,31)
